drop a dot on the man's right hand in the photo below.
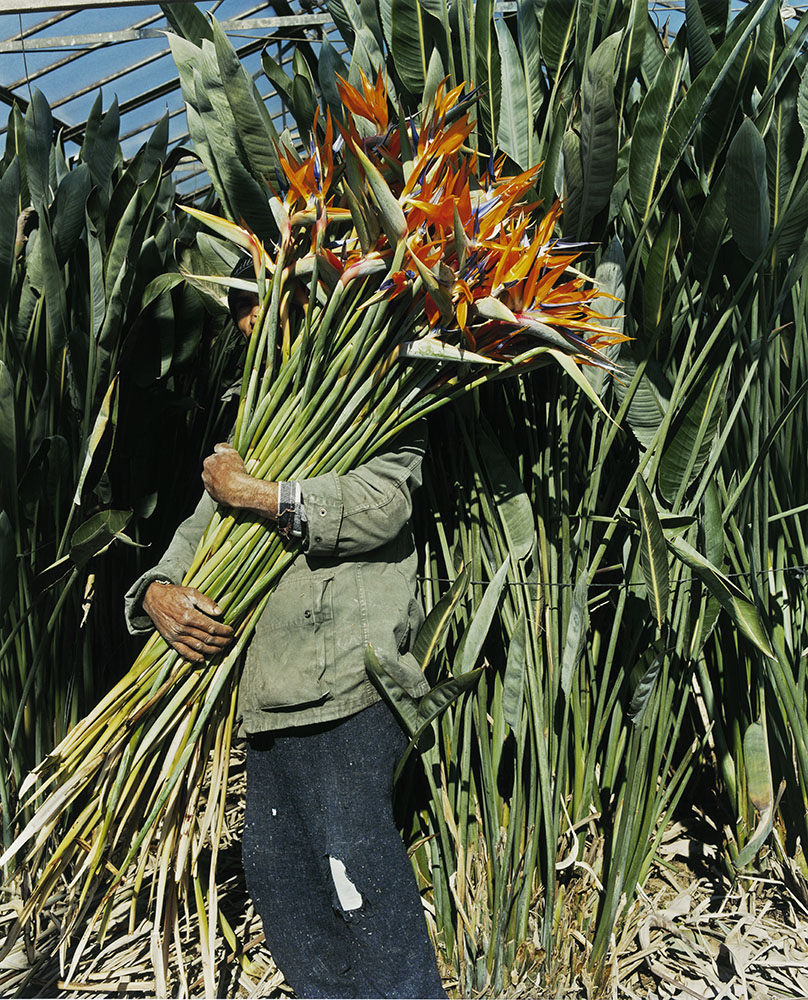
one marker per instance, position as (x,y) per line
(186,619)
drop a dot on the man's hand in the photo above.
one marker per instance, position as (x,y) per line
(226,479)
(185,618)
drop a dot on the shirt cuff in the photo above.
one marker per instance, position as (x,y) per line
(291,510)
(324,509)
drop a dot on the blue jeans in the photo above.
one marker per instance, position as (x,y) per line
(326,866)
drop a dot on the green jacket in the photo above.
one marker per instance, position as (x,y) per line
(353,583)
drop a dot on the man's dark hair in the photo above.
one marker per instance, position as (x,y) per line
(235,296)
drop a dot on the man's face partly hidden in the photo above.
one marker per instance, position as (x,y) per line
(246,310)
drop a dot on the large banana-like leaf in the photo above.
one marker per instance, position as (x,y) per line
(748,191)
(250,115)
(8,434)
(700,47)
(411,32)
(488,70)
(650,399)
(691,435)
(658,272)
(516,133)
(788,192)
(513,684)
(599,133)
(100,149)
(729,59)
(557,33)
(645,160)
(509,495)
(38,145)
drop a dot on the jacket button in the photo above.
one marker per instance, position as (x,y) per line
(307,613)
(323,512)
(317,538)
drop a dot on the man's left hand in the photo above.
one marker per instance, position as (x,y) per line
(225,477)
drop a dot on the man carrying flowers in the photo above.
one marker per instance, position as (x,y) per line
(324,861)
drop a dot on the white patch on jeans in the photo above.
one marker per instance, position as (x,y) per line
(347,893)
(274,812)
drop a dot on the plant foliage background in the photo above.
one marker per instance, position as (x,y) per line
(645,638)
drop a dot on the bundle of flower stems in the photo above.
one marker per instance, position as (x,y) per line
(407,273)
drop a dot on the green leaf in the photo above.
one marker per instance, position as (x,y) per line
(557,33)
(748,191)
(96,535)
(392,216)
(644,691)
(481,622)
(515,120)
(403,704)
(513,684)
(575,636)
(100,148)
(700,47)
(731,598)
(69,216)
(648,134)
(530,51)
(431,633)
(8,429)
(488,70)
(802,104)
(252,119)
(653,554)
(703,90)
(691,434)
(98,446)
(38,144)
(90,539)
(9,197)
(329,66)
(411,37)
(599,131)
(758,769)
(658,272)
(511,501)
(788,195)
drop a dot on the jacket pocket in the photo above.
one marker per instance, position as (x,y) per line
(289,663)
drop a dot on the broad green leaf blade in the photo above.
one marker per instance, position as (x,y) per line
(648,134)
(488,71)
(412,40)
(701,93)
(644,691)
(739,608)
(96,534)
(691,435)
(255,128)
(748,191)
(439,618)
(404,705)
(481,622)
(653,554)
(758,769)
(69,211)
(515,120)
(788,184)
(575,637)
(38,143)
(599,132)
(700,47)
(557,33)
(510,497)
(513,684)
(659,272)
(8,563)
